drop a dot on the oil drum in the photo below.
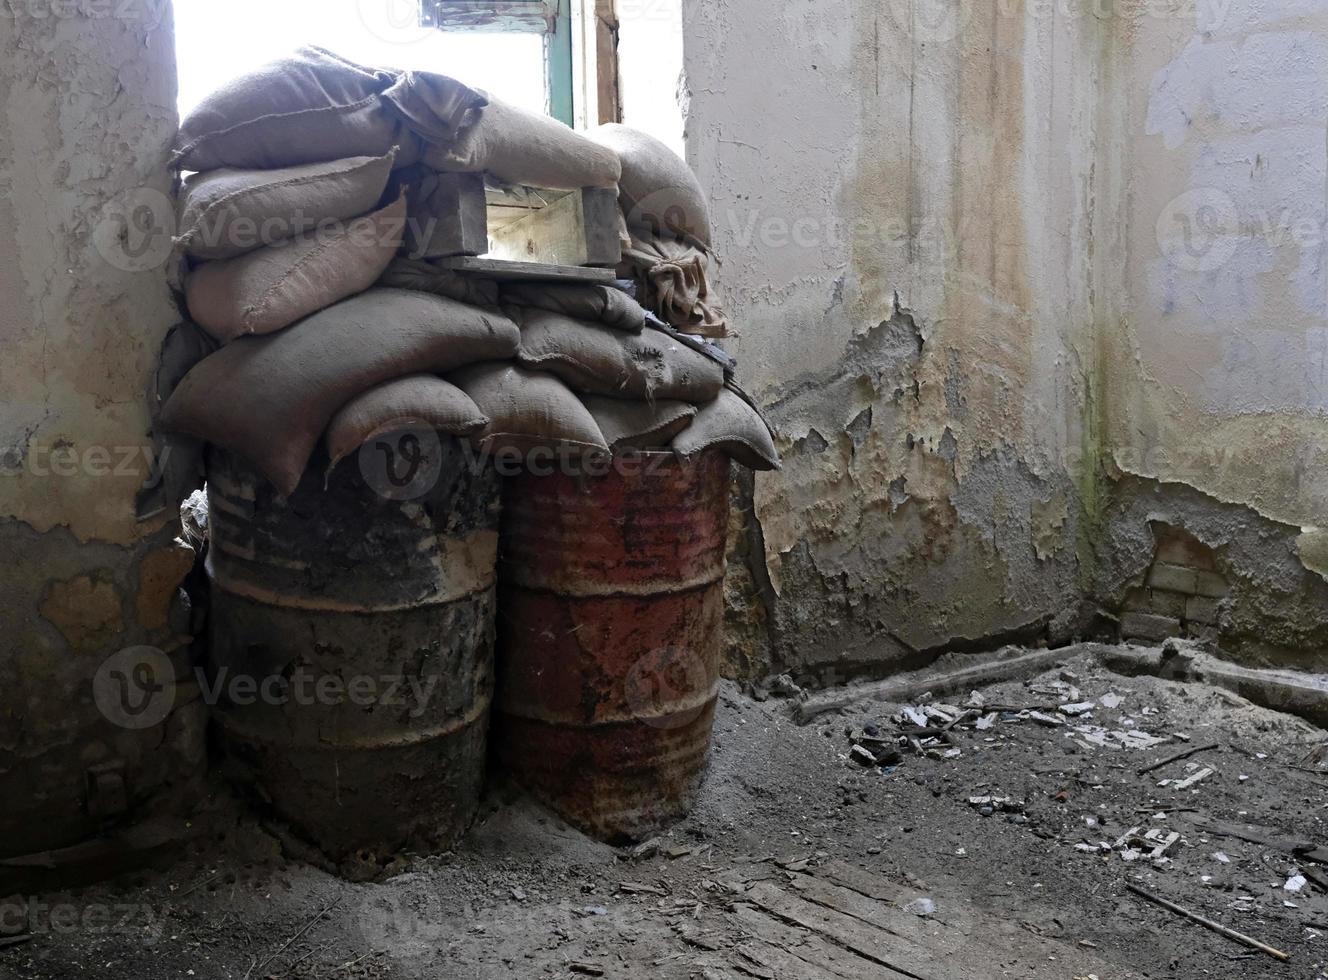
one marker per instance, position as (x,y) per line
(351,646)
(610,627)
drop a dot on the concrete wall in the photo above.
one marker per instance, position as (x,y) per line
(86,118)
(1104,223)
(904,199)
(1216,364)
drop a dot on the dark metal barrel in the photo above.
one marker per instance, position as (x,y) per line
(367,624)
(610,626)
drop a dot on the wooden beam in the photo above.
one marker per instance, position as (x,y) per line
(606,61)
(446,214)
(533,271)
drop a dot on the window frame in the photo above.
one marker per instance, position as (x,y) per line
(580,48)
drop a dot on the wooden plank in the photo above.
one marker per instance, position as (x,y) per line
(445,213)
(921,931)
(979,937)
(579,228)
(534,271)
(865,883)
(777,962)
(905,687)
(809,947)
(606,61)
(868,941)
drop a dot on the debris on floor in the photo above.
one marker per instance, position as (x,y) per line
(804,860)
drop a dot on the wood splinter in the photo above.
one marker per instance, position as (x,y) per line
(1216,927)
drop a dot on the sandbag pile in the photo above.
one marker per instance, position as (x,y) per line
(291,238)
(666,232)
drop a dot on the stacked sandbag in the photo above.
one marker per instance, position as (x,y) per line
(666,231)
(292,231)
(644,384)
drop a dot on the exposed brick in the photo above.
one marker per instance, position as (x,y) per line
(1138,600)
(1147,626)
(1186,551)
(1173,578)
(1210,584)
(1166,603)
(1201,609)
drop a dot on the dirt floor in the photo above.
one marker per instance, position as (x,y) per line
(800,862)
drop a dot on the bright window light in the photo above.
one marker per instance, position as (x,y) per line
(217,40)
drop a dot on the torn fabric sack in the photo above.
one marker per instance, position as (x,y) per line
(673,281)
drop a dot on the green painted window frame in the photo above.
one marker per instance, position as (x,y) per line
(550,18)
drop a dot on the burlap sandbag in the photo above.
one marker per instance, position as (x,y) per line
(421,274)
(269,289)
(598,361)
(729,424)
(417,400)
(224,213)
(638,425)
(673,281)
(657,189)
(524,147)
(270,398)
(528,410)
(589,301)
(315,105)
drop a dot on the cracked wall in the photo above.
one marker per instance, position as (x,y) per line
(1214,360)
(1105,226)
(905,208)
(87,115)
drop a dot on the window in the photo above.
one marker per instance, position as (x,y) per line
(518,50)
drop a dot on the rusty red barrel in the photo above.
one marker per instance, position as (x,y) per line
(365,617)
(610,623)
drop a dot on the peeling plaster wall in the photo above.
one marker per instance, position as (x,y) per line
(1216,363)
(903,196)
(87,93)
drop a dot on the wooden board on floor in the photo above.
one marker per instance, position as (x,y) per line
(831,960)
(868,941)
